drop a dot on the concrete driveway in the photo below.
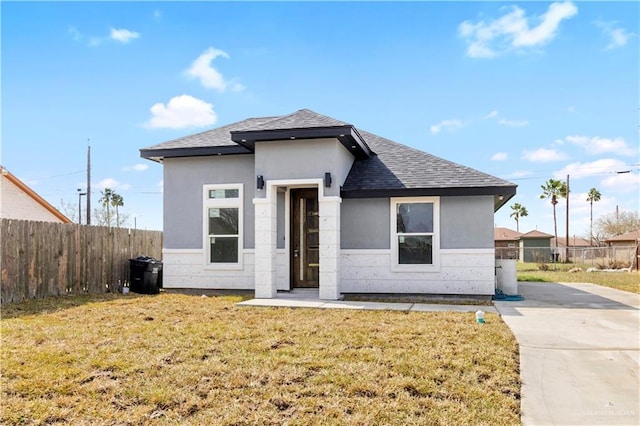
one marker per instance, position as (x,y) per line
(579,353)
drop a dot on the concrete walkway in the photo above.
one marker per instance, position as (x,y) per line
(302,300)
(579,353)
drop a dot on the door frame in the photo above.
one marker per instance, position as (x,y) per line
(289,252)
(328,281)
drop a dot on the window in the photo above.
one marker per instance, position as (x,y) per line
(414,233)
(223,225)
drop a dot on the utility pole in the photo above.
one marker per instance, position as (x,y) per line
(88,183)
(566,254)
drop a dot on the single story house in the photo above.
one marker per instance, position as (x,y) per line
(535,246)
(574,242)
(307,201)
(507,242)
(18,201)
(631,238)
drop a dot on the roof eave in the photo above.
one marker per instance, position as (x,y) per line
(160,154)
(347,135)
(501,194)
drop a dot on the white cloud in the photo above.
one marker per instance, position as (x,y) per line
(448,125)
(513,123)
(136,168)
(579,170)
(157,14)
(492,114)
(112,184)
(571,108)
(617,36)
(519,174)
(181,112)
(622,182)
(123,35)
(160,185)
(210,77)
(75,34)
(543,155)
(119,35)
(504,121)
(499,156)
(596,145)
(512,30)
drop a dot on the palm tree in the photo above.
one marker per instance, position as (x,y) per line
(593,195)
(117,201)
(553,189)
(107,200)
(518,211)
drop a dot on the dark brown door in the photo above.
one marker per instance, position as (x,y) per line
(305,238)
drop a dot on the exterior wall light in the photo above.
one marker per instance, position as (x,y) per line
(260,182)
(327,180)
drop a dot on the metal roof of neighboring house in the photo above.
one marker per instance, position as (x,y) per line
(32,194)
(627,236)
(505,234)
(536,234)
(382,167)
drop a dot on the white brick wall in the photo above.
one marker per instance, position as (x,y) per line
(464,271)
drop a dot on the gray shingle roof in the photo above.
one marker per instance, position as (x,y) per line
(398,166)
(393,167)
(302,119)
(219,136)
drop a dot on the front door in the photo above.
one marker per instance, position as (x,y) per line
(305,238)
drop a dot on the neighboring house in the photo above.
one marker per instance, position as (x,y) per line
(535,246)
(18,201)
(574,242)
(627,239)
(305,200)
(507,243)
(625,247)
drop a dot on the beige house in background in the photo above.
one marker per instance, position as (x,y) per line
(18,201)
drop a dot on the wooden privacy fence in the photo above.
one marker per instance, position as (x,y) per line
(40,259)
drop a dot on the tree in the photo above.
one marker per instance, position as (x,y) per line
(117,201)
(554,189)
(69,209)
(106,201)
(615,223)
(518,211)
(594,195)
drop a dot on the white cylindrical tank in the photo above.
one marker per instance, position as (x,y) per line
(507,276)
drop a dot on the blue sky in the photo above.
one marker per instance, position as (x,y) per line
(521,90)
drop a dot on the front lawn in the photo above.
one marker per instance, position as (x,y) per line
(627,281)
(176,359)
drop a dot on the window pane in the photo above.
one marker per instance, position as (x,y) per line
(415,249)
(415,217)
(224,249)
(224,193)
(223,221)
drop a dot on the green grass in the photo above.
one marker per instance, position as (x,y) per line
(627,281)
(178,359)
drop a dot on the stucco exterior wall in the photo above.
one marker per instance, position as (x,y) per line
(365,223)
(183,181)
(303,159)
(465,223)
(16,204)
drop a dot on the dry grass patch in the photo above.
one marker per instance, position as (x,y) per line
(626,281)
(173,358)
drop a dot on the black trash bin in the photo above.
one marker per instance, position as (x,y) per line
(146,275)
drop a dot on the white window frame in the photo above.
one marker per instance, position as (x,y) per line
(213,203)
(435,265)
